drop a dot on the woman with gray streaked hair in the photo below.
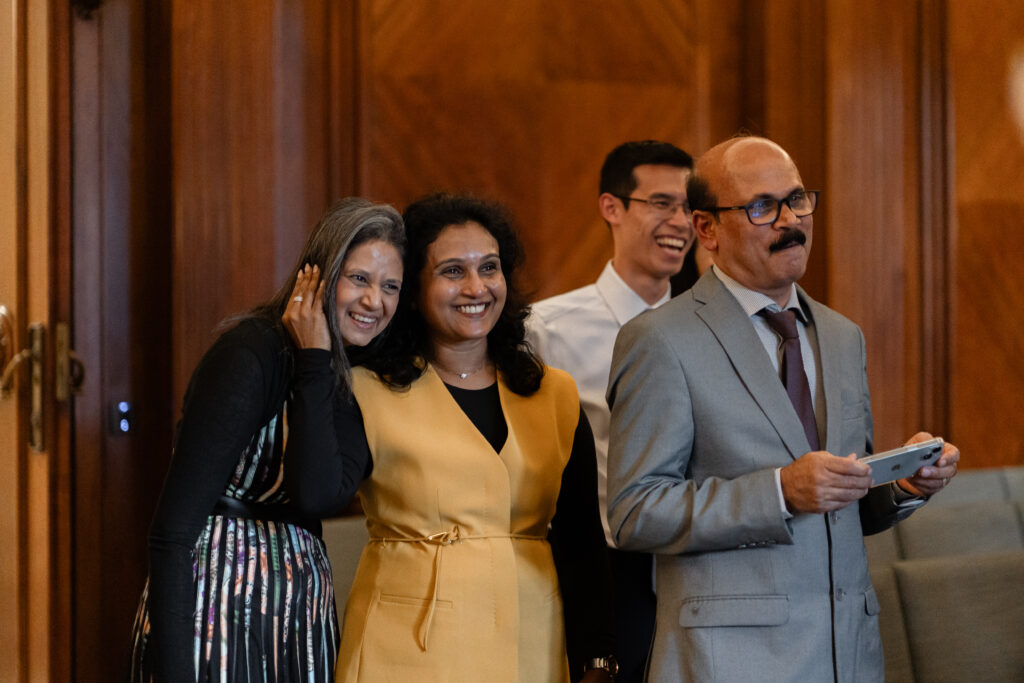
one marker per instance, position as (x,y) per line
(240,584)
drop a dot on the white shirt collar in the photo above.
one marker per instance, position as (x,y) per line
(753,301)
(625,304)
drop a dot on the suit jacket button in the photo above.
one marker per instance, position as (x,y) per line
(840,594)
(833,516)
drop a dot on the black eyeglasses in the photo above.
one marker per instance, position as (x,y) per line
(661,205)
(767,210)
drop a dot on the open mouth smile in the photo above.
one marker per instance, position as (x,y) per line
(363,320)
(676,243)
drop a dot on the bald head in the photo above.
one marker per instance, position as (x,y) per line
(727,164)
(768,257)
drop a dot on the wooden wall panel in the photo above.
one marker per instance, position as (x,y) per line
(987,75)
(872,195)
(792,71)
(522,101)
(262,138)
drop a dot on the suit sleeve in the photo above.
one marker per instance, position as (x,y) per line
(653,503)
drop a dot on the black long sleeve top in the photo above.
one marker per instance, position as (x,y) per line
(241,383)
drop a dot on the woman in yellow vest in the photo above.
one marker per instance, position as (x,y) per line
(486,554)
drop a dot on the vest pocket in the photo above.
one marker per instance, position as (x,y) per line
(734,610)
(386,599)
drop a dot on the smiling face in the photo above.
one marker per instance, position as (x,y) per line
(462,287)
(367,291)
(746,170)
(649,243)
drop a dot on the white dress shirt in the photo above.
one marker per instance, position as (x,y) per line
(576,332)
(753,303)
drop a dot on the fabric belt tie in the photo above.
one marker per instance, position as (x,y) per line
(793,376)
(443,539)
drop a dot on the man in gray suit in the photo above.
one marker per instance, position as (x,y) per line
(761,569)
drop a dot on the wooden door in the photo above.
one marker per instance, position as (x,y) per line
(34,424)
(76,494)
(197,171)
(120,318)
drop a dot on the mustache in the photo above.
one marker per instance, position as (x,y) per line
(789,237)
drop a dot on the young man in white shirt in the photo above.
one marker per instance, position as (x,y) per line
(643,201)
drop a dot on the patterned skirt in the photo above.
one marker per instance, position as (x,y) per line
(264,606)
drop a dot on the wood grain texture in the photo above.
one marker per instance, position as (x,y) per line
(520,102)
(13,283)
(794,108)
(120,289)
(987,64)
(62,461)
(253,134)
(931,363)
(872,193)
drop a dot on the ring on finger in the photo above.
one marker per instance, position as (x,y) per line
(297,298)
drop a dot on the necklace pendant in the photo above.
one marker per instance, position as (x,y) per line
(463,375)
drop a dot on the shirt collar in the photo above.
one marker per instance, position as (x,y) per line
(753,301)
(625,304)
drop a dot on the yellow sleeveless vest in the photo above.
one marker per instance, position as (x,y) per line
(457,582)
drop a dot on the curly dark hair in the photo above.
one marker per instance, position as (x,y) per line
(402,359)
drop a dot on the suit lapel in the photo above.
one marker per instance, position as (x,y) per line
(732,328)
(828,341)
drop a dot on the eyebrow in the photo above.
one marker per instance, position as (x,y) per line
(460,260)
(768,195)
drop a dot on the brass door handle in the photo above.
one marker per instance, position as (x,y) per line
(69,368)
(9,360)
(34,354)
(7,379)
(6,336)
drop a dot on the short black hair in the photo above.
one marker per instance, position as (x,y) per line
(617,177)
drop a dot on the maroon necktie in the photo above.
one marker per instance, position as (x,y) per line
(793,376)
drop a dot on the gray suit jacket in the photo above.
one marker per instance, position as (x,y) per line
(700,421)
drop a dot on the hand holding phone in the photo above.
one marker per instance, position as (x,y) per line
(902,462)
